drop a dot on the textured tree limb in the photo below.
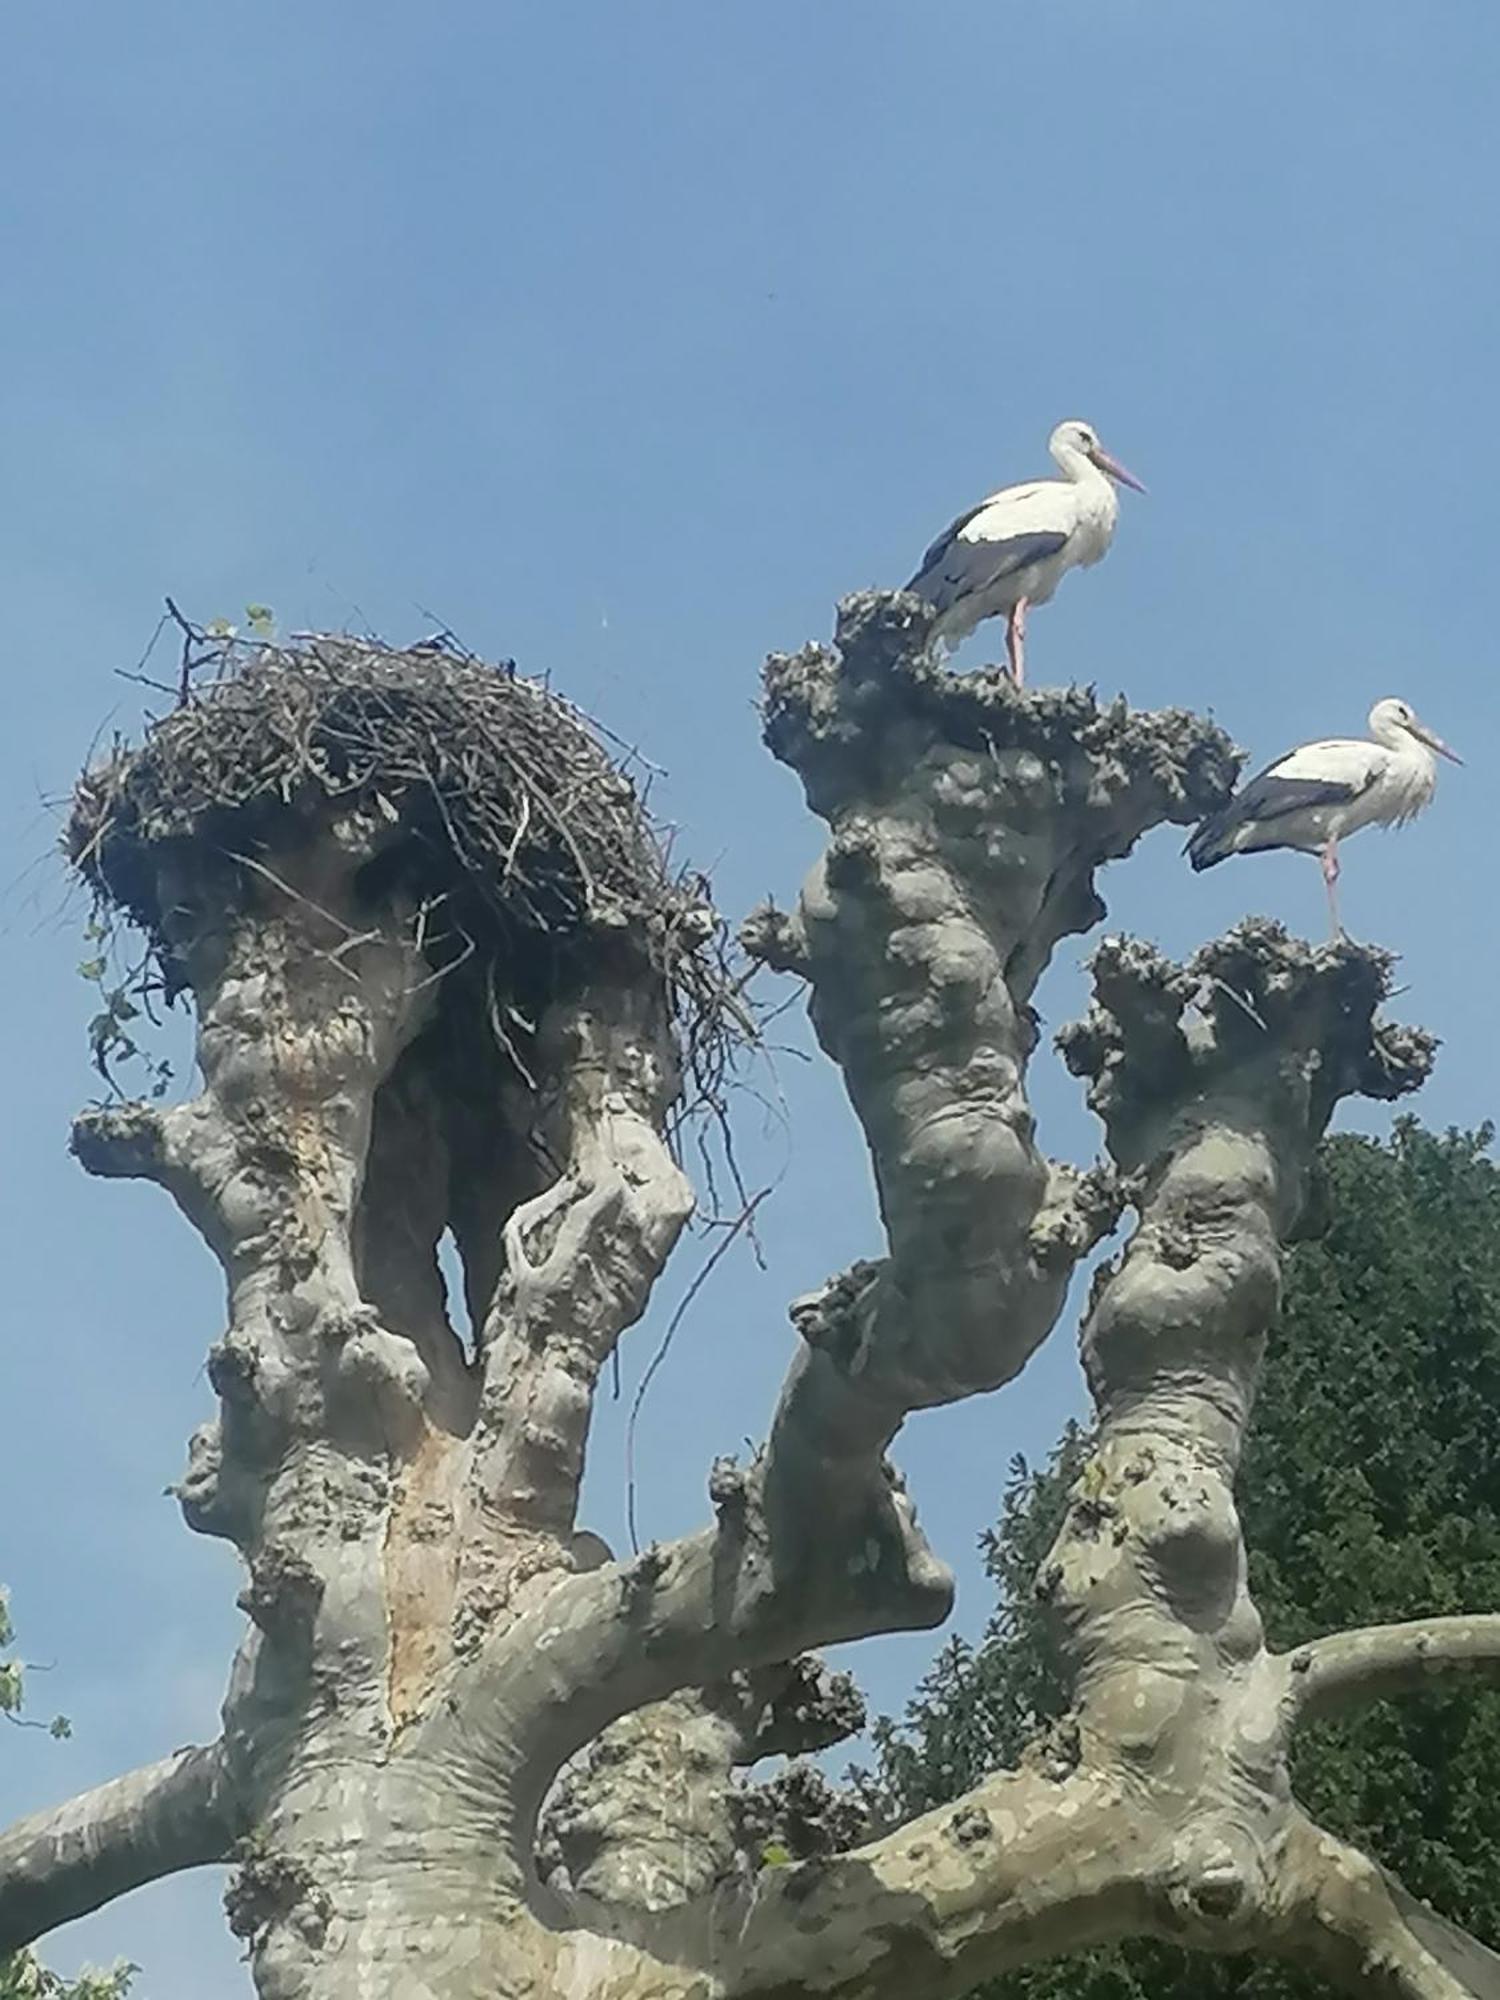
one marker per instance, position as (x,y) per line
(1356,1922)
(582,1256)
(693,1612)
(1215,1081)
(61,1863)
(649,1816)
(1023,1867)
(1374,1661)
(966,825)
(1026,1867)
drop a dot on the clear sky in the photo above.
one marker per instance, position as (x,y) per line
(624,336)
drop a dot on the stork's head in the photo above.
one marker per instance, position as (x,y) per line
(1395,722)
(1075,439)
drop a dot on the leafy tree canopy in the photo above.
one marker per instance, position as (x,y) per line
(1370,1491)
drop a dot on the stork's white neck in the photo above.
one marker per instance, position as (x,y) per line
(1075,466)
(1396,736)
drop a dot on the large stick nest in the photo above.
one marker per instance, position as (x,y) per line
(509,823)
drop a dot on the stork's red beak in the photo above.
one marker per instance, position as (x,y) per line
(1115,470)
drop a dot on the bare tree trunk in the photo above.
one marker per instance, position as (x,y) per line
(432,1642)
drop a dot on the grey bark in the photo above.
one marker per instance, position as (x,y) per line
(433,1641)
(58,1865)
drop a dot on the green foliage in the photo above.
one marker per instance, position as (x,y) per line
(22,1977)
(13,1682)
(113,1036)
(1370,1491)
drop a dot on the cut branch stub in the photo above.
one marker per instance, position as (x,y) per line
(875,715)
(1258,1016)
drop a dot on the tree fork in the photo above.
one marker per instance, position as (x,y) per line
(492,1041)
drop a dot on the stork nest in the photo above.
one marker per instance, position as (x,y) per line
(509,823)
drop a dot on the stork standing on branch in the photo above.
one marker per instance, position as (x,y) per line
(1314,796)
(1012,549)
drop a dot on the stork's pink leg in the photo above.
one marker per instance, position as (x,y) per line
(1015,641)
(1331,879)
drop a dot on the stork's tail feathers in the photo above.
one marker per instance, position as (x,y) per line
(1212,840)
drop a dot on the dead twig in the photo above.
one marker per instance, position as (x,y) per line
(742,1223)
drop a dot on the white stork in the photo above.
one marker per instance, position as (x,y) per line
(1315,796)
(1013,548)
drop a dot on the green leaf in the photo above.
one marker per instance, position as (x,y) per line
(261,619)
(774,1855)
(91,968)
(60,1728)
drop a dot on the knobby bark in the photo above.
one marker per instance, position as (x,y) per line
(433,1641)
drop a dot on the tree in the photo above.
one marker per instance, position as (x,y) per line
(443,981)
(23,1977)
(1370,1488)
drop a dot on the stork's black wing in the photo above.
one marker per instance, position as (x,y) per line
(1262,801)
(953,566)
(938,550)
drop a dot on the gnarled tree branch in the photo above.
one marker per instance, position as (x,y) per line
(648,1817)
(1022,1868)
(1374,1661)
(432,1642)
(967,822)
(61,1863)
(581,1257)
(1353,1919)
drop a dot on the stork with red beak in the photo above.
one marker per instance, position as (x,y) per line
(1319,794)
(1010,551)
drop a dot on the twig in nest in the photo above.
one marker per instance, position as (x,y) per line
(1240,1000)
(192,636)
(523,821)
(295,895)
(442,971)
(145,680)
(741,1223)
(502,1038)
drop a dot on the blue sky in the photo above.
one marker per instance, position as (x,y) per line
(624,337)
